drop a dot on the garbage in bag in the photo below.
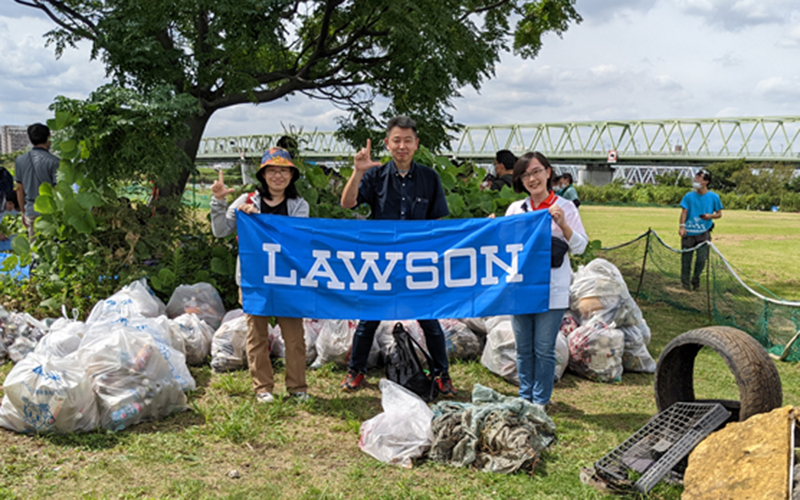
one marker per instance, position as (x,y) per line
(135,299)
(229,345)
(44,394)
(232,314)
(334,342)
(311,329)
(402,432)
(175,359)
(569,323)
(562,355)
(277,346)
(405,366)
(176,338)
(196,335)
(477,325)
(461,342)
(494,433)
(384,339)
(63,339)
(201,299)
(130,377)
(500,352)
(20,333)
(595,351)
(599,289)
(636,357)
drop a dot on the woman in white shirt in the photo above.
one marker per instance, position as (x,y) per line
(535,334)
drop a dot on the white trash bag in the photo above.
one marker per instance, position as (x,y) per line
(136,299)
(229,345)
(334,342)
(500,352)
(201,299)
(44,394)
(402,432)
(196,335)
(461,342)
(311,329)
(595,351)
(636,357)
(63,339)
(130,377)
(599,289)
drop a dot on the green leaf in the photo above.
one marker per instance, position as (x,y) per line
(448,181)
(45,189)
(166,276)
(20,245)
(10,263)
(63,118)
(88,200)
(67,146)
(51,303)
(220,252)
(202,276)
(219,266)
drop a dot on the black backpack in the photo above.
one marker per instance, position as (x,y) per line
(404,367)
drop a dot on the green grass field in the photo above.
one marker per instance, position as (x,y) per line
(311,451)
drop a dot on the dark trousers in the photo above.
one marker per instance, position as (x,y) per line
(689,279)
(365,334)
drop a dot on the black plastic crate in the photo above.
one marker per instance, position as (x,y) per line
(659,446)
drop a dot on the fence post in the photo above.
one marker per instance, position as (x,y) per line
(708,286)
(644,261)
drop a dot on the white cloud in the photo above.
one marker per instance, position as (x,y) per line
(740,14)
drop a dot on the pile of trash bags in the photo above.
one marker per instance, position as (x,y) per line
(128,361)
(493,433)
(602,334)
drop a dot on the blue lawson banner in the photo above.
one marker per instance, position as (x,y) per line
(350,269)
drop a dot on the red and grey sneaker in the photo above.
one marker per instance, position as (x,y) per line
(353,381)
(445,385)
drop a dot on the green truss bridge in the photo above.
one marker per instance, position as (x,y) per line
(635,149)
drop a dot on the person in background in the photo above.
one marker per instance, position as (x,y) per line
(504,169)
(8,205)
(405,190)
(699,207)
(566,189)
(535,334)
(277,194)
(31,170)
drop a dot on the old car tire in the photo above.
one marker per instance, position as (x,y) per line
(755,373)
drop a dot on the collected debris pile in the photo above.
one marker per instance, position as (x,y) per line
(494,433)
(127,363)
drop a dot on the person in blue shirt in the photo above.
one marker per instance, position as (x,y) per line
(699,208)
(398,190)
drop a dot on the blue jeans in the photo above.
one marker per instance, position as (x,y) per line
(535,336)
(365,334)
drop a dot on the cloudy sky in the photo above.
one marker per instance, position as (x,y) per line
(629,59)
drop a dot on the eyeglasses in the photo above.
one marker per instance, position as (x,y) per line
(532,173)
(280,170)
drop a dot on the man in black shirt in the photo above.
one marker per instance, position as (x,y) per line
(405,190)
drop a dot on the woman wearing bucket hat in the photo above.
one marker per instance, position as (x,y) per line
(277,195)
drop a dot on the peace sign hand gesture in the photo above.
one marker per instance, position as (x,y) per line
(363,160)
(218,188)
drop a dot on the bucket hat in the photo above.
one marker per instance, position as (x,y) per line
(277,157)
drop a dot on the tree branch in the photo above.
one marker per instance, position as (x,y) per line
(468,13)
(69,12)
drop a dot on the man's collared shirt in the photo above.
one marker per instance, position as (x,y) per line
(416,196)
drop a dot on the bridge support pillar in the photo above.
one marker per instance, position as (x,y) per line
(595,174)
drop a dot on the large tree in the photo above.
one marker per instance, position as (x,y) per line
(413,54)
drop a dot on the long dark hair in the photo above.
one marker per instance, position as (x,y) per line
(522,165)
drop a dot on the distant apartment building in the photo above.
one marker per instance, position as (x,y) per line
(13,138)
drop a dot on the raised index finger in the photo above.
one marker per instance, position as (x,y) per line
(220,176)
(369,147)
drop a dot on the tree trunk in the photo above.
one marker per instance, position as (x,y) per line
(197,125)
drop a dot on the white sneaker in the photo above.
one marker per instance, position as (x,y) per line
(300,397)
(264,397)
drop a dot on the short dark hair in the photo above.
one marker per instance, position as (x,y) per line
(567,176)
(12,197)
(401,122)
(706,175)
(507,158)
(38,133)
(522,165)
